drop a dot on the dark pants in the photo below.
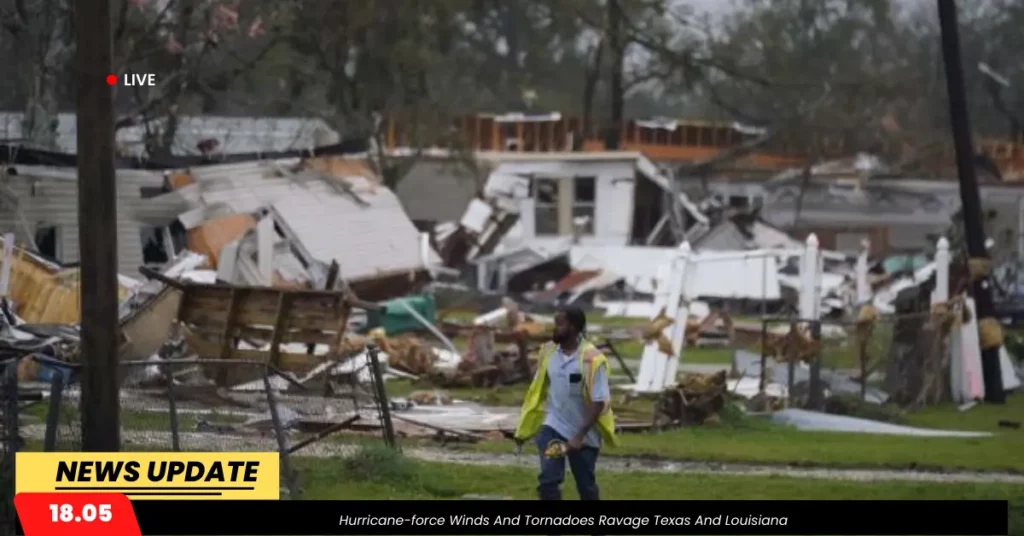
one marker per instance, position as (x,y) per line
(583,464)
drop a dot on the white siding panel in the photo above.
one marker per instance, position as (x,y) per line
(613,222)
(54,201)
(616,182)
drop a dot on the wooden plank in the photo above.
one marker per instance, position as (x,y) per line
(225,375)
(332,281)
(213,317)
(264,334)
(227,336)
(279,328)
(249,318)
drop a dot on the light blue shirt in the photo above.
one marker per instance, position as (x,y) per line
(566,411)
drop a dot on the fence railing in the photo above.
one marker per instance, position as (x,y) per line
(168,405)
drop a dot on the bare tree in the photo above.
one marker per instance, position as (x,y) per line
(43,45)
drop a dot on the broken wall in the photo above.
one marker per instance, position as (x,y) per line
(47,199)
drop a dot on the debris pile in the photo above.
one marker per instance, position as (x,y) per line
(697,399)
(303,263)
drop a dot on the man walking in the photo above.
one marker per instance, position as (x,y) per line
(568,409)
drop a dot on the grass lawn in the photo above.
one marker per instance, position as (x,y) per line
(744,439)
(376,473)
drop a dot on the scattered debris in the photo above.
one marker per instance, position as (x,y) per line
(697,400)
(823,422)
(299,263)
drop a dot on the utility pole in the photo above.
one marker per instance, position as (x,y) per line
(970,199)
(97,228)
(617,47)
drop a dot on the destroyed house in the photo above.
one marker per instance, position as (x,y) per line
(895,215)
(40,206)
(610,198)
(284,222)
(262,223)
(580,198)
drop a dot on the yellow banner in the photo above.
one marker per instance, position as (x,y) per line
(153,475)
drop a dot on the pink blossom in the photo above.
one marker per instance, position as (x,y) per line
(226,17)
(256,28)
(173,46)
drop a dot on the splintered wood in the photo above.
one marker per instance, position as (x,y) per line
(696,399)
(214,318)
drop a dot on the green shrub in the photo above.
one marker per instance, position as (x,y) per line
(375,462)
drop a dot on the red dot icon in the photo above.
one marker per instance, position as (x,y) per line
(111,79)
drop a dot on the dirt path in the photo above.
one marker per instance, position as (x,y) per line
(195,441)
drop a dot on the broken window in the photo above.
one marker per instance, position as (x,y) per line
(545,196)
(161,244)
(739,201)
(147,192)
(584,204)
(48,241)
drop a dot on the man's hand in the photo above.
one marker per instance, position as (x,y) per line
(575,443)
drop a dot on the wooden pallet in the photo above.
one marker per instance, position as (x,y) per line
(215,318)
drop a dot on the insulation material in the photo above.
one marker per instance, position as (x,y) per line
(210,237)
(179,180)
(44,294)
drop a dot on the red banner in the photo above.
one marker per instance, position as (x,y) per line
(76,514)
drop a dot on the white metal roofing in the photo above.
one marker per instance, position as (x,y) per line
(367,240)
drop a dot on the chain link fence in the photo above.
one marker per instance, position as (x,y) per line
(171,405)
(866,367)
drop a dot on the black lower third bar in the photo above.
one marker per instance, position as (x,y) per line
(257,518)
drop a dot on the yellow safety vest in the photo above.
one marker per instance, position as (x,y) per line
(531,417)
